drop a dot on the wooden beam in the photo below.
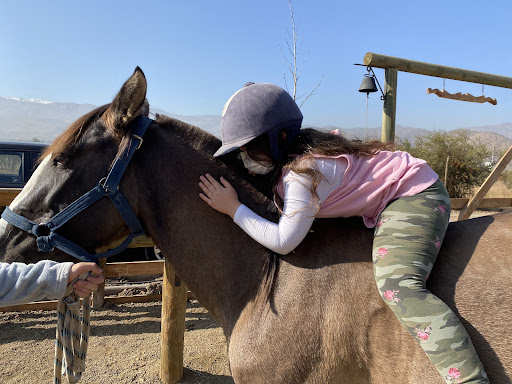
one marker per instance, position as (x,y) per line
(389,108)
(134,268)
(139,242)
(495,202)
(174,306)
(482,191)
(382,61)
(51,305)
(7,195)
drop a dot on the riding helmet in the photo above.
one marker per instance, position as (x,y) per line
(256,109)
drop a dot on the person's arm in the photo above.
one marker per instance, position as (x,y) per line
(299,209)
(23,283)
(294,224)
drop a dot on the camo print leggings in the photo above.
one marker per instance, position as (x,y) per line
(407,239)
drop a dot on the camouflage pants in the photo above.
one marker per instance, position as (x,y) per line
(407,239)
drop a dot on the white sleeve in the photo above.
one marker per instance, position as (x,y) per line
(299,209)
(294,224)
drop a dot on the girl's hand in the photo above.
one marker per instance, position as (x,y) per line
(221,197)
(83,288)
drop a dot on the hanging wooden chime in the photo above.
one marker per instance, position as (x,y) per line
(462,96)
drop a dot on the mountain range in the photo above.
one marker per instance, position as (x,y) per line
(32,119)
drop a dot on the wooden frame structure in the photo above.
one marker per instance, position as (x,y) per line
(392,65)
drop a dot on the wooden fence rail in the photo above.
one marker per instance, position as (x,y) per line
(110,270)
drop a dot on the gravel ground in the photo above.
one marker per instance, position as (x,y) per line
(124,346)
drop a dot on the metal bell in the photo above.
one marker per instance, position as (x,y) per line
(368,85)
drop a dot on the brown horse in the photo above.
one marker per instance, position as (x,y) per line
(313,316)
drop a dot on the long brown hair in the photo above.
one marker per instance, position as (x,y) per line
(299,156)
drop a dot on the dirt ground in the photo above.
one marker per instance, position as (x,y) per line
(124,346)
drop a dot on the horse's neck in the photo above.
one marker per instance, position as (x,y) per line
(217,261)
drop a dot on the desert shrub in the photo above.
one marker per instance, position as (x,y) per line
(466,159)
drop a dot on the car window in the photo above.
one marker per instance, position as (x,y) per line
(11,167)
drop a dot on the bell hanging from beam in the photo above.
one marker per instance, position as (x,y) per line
(368,85)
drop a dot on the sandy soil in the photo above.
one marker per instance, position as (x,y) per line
(124,345)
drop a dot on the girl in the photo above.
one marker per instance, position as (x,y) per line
(325,175)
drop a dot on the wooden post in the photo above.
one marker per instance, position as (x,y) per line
(174,305)
(382,61)
(482,191)
(446,171)
(98,297)
(389,110)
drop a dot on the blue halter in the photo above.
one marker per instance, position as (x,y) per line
(46,236)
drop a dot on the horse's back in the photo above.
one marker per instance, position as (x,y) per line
(473,275)
(325,293)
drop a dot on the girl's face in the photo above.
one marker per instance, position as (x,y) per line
(262,166)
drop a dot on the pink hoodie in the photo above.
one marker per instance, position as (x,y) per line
(371,182)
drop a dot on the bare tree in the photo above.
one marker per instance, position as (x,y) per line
(294,44)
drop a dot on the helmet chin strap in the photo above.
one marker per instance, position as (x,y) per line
(290,131)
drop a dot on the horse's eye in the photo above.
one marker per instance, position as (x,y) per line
(61,159)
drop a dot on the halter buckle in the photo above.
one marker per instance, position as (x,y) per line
(139,138)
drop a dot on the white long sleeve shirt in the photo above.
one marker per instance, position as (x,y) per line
(351,185)
(299,208)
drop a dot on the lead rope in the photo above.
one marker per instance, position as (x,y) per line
(73,320)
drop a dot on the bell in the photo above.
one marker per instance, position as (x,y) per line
(368,85)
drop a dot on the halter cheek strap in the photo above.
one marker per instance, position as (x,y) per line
(46,236)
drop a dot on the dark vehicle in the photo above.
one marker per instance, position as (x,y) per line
(17,162)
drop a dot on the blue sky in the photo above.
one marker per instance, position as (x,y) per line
(195,54)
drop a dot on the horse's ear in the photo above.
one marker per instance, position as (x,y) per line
(129,103)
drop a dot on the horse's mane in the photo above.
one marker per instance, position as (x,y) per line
(197,138)
(72,135)
(206,143)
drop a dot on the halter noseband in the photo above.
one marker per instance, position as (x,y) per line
(46,236)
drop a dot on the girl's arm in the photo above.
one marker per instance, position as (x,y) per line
(295,222)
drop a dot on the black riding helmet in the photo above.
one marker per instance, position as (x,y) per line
(256,109)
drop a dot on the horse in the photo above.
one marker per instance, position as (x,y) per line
(312,316)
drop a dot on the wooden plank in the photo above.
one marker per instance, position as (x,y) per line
(51,305)
(134,268)
(139,242)
(35,306)
(495,202)
(7,195)
(389,106)
(488,183)
(382,61)
(134,299)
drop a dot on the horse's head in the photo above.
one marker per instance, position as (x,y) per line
(71,166)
